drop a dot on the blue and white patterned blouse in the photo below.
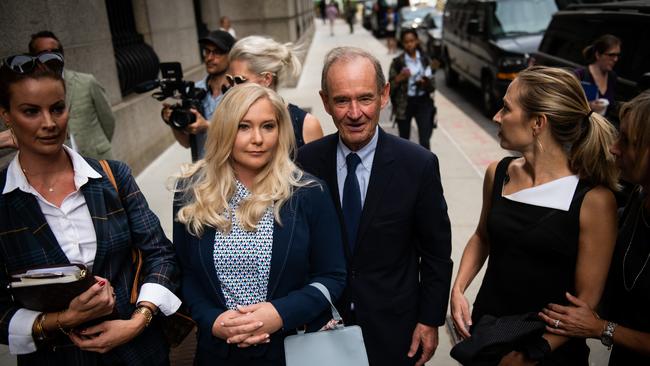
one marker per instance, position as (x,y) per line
(243,258)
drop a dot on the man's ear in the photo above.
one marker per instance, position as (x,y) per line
(385,95)
(325,98)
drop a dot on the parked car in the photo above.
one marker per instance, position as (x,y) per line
(411,17)
(431,34)
(487,42)
(573,29)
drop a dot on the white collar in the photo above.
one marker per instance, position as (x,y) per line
(16,178)
(416,58)
(556,194)
(366,153)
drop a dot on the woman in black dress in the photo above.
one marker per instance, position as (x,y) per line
(548,222)
(625,324)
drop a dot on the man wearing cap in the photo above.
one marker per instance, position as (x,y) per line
(214,48)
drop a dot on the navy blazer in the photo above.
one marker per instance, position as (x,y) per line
(306,248)
(120,221)
(399,273)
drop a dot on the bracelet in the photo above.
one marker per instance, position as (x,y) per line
(146,312)
(58,324)
(153,311)
(39,333)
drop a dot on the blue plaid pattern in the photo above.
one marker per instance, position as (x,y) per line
(120,222)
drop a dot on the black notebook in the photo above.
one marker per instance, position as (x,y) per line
(50,288)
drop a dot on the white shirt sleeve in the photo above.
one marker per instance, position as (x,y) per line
(160,296)
(20,332)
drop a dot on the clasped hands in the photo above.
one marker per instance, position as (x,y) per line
(248,325)
(96,302)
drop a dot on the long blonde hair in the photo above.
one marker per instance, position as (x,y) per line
(209,184)
(586,135)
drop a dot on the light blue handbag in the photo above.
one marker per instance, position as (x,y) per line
(341,346)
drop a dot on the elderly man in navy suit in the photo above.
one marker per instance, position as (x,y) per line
(389,199)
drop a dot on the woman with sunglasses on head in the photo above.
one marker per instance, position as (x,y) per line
(548,222)
(252,232)
(266,62)
(56,208)
(625,322)
(602,56)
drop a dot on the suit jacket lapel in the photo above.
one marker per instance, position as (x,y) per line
(329,175)
(94,195)
(26,208)
(282,242)
(205,246)
(380,178)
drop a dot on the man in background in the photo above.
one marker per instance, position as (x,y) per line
(214,48)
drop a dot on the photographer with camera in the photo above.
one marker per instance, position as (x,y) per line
(214,48)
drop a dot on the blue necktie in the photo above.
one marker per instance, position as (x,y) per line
(352,199)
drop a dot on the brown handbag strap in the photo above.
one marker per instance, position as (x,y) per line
(136,254)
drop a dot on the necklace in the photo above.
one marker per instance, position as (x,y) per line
(50,187)
(629,245)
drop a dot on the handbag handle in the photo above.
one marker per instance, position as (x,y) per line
(136,253)
(335,313)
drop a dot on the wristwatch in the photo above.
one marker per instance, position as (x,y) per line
(607,337)
(148,315)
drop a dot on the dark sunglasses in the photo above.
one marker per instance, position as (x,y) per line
(612,54)
(24,64)
(235,80)
(232,81)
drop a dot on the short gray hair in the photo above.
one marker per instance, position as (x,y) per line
(347,54)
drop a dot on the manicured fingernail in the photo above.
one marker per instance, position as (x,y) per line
(228,341)
(102,283)
(266,336)
(267,341)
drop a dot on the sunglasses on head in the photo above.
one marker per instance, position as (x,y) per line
(235,80)
(24,64)
(232,81)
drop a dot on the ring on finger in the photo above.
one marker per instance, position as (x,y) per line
(557,323)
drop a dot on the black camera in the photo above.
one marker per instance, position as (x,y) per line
(172,85)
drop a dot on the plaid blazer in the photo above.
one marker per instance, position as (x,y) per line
(120,221)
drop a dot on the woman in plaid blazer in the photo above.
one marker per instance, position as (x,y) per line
(57,207)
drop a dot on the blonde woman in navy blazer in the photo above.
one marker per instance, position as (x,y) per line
(252,232)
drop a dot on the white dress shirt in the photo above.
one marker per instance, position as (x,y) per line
(417,72)
(73,229)
(367,156)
